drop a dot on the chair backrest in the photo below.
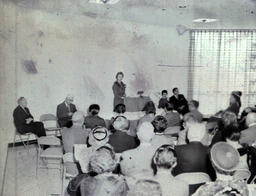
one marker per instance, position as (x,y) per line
(194,177)
(48,117)
(172,130)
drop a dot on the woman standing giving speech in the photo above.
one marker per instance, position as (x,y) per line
(119,89)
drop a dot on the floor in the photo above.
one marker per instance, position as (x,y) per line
(20,175)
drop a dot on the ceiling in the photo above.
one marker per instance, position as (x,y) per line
(230,13)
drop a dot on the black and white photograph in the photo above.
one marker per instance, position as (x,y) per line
(127,97)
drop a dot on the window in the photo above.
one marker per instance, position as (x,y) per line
(222,61)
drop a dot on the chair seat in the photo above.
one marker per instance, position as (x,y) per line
(52,152)
(52,128)
(49,140)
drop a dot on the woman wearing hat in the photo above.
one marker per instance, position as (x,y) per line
(119,89)
(235,102)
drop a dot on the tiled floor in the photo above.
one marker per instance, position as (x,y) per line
(20,175)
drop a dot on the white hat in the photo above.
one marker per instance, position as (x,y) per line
(145,132)
(196,132)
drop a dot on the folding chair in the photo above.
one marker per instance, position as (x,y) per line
(54,152)
(50,119)
(24,138)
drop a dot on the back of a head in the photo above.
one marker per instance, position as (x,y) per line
(145,132)
(196,132)
(229,118)
(78,118)
(103,160)
(164,157)
(120,108)
(149,107)
(94,109)
(251,118)
(193,104)
(121,123)
(145,187)
(225,158)
(160,124)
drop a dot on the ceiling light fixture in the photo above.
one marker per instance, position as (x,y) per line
(104,1)
(205,20)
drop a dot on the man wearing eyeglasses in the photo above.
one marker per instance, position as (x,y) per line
(65,111)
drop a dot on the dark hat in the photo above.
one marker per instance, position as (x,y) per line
(237,93)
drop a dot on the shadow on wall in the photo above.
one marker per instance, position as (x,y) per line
(29,66)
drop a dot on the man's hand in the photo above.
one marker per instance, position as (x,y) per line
(29,120)
(70,113)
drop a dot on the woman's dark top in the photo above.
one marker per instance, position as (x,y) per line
(234,107)
(119,92)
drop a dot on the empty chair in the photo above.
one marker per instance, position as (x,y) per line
(51,124)
(54,152)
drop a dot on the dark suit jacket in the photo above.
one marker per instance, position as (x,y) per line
(248,136)
(62,113)
(19,117)
(121,141)
(193,157)
(181,101)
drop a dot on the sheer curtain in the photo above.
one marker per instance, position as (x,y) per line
(222,61)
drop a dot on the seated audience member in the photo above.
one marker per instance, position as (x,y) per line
(149,117)
(120,109)
(74,135)
(193,109)
(150,111)
(145,187)
(136,162)
(24,121)
(97,138)
(120,140)
(163,100)
(93,120)
(179,102)
(194,156)
(232,136)
(159,139)
(235,102)
(103,163)
(188,119)
(248,136)
(164,160)
(149,107)
(100,181)
(65,110)
(228,121)
(225,160)
(172,117)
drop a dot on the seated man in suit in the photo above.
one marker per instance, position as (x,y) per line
(179,102)
(93,120)
(24,121)
(120,140)
(194,157)
(248,136)
(65,111)
(193,109)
